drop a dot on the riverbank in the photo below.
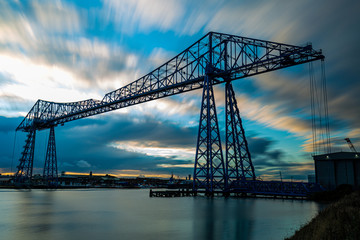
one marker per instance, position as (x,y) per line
(340,220)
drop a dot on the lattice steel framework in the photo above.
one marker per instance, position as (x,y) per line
(50,172)
(209,170)
(217,56)
(25,167)
(229,58)
(238,159)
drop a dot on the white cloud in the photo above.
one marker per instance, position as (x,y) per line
(271,115)
(52,34)
(150,149)
(159,56)
(83,164)
(56,16)
(45,54)
(273,20)
(198,15)
(15,30)
(170,107)
(143,15)
(50,83)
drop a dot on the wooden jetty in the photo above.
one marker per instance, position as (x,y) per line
(190,193)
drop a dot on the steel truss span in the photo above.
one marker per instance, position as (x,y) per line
(214,59)
(224,57)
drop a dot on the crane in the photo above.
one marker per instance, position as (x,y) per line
(351,146)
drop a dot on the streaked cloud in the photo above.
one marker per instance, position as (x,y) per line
(57,16)
(159,56)
(83,164)
(142,16)
(152,149)
(271,116)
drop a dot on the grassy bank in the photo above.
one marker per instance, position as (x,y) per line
(340,220)
(333,195)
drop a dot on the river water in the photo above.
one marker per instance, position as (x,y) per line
(132,214)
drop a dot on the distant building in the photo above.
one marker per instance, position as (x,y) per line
(5,179)
(108,181)
(311,178)
(334,169)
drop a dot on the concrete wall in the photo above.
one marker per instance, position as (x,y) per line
(357,173)
(325,174)
(344,172)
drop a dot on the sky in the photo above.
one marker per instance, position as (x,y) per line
(67,51)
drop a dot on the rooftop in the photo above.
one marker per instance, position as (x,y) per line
(338,156)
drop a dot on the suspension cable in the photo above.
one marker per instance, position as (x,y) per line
(312,103)
(327,123)
(319,111)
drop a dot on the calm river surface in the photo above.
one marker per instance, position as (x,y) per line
(131,214)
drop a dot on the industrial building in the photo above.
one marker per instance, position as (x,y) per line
(334,169)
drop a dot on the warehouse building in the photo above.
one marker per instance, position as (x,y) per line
(334,169)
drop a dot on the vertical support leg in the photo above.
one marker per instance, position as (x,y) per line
(238,159)
(25,167)
(50,173)
(209,163)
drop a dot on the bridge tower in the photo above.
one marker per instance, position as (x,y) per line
(50,173)
(209,170)
(25,167)
(238,159)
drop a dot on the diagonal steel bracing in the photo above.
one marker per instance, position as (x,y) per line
(231,57)
(238,159)
(25,167)
(209,171)
(50,173)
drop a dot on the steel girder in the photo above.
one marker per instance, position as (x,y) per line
(50,173)
(209,171)
(238,159)
(25,167)
(229,58)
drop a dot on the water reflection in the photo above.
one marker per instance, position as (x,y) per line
(131,214)
(209,227)
(35,213)
(243,227)
(218,218)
